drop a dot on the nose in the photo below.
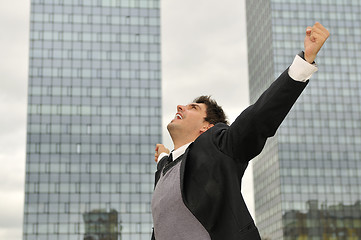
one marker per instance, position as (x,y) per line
(180,108)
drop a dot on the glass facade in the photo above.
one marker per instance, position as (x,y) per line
(307,180)
(94,116)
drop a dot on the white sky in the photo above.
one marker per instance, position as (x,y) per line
(204,52)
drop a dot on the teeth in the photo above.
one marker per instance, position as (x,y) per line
(178,116)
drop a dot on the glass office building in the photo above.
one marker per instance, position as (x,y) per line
(307,180)
(94,116)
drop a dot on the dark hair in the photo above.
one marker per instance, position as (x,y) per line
(215,113)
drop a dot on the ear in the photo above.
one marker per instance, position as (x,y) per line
(206,126)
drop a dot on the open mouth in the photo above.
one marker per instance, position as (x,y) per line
(178,116)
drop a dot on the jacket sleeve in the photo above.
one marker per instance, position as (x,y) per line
(153,237)
(160,166)
(247,135)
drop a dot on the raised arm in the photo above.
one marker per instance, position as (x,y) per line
(247,135)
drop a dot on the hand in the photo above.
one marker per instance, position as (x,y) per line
(160,148)
(316,36)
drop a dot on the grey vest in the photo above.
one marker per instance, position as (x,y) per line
(171,218)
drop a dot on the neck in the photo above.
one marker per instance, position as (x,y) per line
(178,145)
(178,142)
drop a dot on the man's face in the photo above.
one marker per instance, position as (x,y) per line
(189,119)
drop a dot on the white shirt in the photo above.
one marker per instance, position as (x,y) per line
(300,70)
(176,153)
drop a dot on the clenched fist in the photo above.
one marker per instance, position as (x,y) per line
(316,36)
(160,148)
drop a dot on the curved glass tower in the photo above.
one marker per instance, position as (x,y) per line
(94,115)
(307,180)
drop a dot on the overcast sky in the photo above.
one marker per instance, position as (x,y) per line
(203,50)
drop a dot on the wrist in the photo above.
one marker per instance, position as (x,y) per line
(307,58)
(301,70)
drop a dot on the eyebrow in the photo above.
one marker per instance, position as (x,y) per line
(194,105)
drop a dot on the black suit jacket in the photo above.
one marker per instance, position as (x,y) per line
(214,164)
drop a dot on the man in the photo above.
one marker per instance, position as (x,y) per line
(197,191)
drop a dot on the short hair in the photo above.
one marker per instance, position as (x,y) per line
(215,113)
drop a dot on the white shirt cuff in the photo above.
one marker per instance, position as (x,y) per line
(162,155)
(301,70)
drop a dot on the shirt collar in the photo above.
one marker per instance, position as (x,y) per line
(179,151)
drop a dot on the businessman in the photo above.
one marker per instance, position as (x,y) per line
(197,194)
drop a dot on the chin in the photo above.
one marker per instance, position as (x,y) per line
(172,125)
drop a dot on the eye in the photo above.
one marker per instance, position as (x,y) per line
(193,106)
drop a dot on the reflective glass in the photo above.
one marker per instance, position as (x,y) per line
(87,150)
(305,186)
